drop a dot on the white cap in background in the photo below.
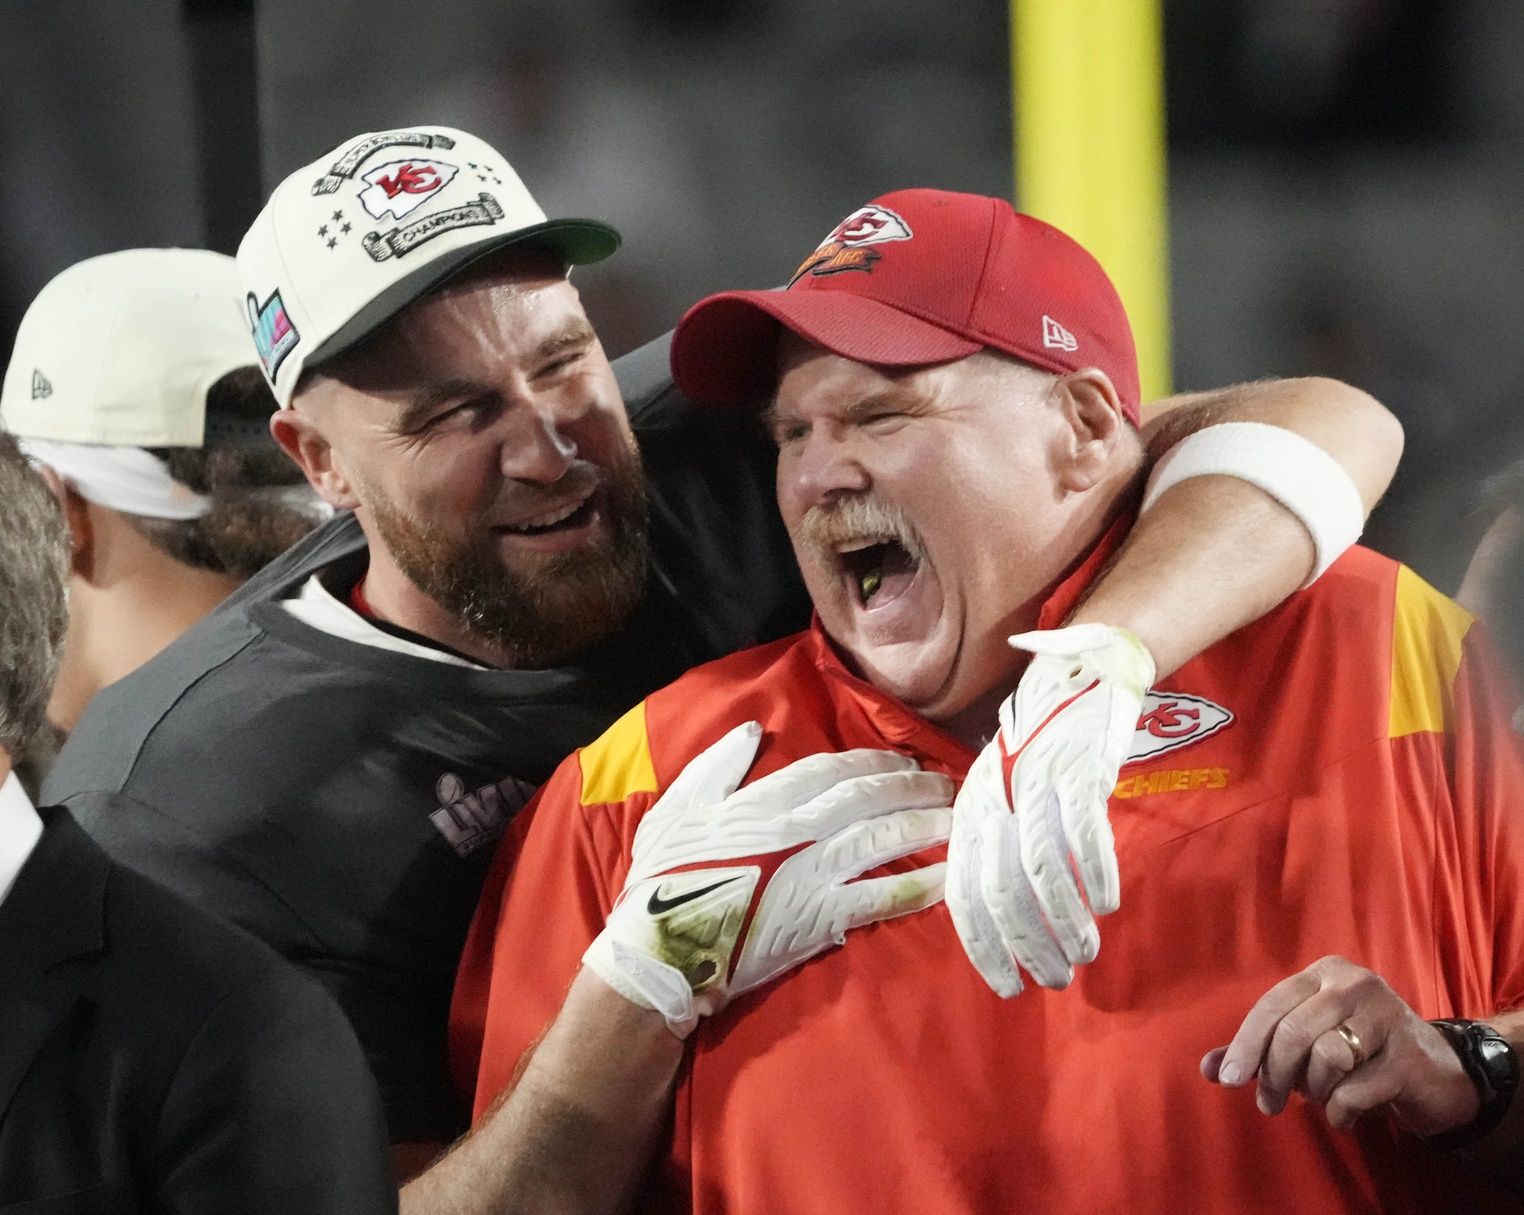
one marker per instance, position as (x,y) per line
(121,349)
(347,242)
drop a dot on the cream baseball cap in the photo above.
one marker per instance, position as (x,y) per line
(119,350)
(348,241)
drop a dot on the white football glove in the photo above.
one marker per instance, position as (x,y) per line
(1032,812)
(727,889)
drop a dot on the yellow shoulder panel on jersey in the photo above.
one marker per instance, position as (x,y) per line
(618,764)
(1427,633)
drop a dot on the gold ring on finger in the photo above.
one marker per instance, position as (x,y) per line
(1352,1040)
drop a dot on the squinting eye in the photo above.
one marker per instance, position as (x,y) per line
(561,364)
(472,410)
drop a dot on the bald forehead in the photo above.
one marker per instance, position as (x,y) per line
(985,366)
(793,350)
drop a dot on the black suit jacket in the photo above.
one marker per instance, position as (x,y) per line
(155,1059)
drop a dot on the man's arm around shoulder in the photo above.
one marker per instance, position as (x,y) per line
(1216,552)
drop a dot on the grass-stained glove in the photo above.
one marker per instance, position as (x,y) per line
(727,889)
(1032,814)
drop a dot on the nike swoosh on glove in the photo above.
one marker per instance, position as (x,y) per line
(1032,814)
(729,887)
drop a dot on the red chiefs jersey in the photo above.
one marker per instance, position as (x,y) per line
(1338,778)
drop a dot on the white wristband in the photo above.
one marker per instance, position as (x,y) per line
(1296,472)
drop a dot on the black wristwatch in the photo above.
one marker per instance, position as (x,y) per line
(1493,1067)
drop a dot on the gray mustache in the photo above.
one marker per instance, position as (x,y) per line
(857,518)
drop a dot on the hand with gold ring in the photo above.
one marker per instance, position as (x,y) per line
(1351,1040)
(1338,1033)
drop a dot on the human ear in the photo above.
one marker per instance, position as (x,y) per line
(76,514)
(303,440)
(1093,425)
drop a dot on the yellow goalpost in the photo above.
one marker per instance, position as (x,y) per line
(1088,92)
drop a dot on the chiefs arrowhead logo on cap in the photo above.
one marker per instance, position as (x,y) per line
(398,186)
(846,247)
(1171,720)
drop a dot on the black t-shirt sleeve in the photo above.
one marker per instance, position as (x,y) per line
(273,1109)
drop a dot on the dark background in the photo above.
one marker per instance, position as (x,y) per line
(1346,175)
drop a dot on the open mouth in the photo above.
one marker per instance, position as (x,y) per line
(564,519)
(880,571)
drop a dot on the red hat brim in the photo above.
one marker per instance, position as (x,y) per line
(724,350)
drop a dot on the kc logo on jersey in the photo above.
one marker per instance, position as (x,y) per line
(1172,720)
(399,186)
(846,248)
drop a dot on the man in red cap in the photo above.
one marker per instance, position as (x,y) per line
(954,394)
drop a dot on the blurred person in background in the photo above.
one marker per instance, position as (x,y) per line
(152,1058)
(1493,586)
(531,541)
(130,385)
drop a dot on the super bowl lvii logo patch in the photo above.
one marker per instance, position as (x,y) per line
(469,820)
(274,334)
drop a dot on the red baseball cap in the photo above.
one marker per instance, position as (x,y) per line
(918,277)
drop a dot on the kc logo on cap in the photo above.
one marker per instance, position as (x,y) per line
(398,186)
(349,241)
(846,247)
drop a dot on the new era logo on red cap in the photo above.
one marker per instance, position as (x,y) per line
(1056,337)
